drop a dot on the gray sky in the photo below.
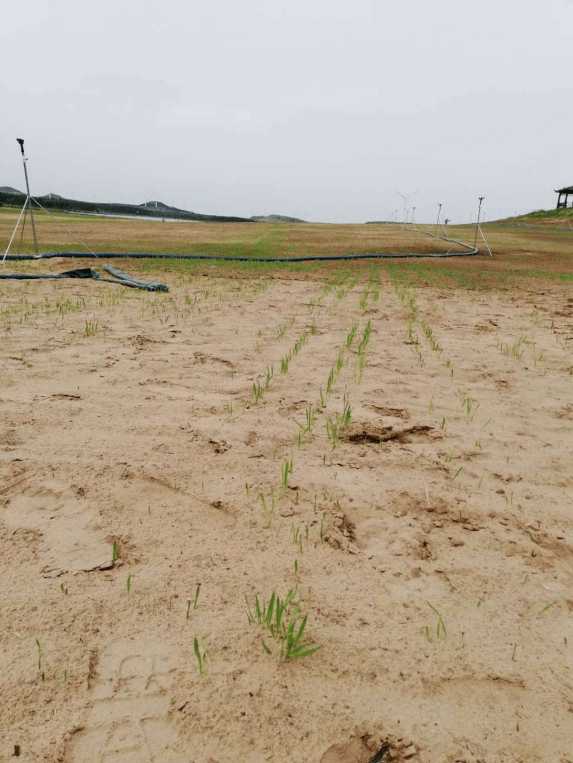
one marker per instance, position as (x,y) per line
(318,109)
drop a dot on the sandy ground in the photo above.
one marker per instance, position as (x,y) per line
(431,544)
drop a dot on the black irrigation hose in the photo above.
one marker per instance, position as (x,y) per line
(119,278)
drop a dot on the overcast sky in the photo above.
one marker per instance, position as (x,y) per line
(319,109)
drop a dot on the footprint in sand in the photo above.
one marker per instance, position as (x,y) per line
(126,717)
(66,523)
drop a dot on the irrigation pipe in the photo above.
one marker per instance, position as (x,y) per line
(216,258)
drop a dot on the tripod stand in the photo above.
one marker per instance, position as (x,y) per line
(28,207)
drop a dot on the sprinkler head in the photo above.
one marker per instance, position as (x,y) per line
(21,142)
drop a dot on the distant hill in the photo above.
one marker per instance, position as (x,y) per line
(12,197)
(275,219)
(161,206)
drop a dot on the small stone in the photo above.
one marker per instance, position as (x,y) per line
(410,752)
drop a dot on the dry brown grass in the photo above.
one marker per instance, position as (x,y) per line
(517,252)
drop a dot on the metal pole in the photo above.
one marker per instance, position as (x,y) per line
(28,198)
(481,198)
(438,220)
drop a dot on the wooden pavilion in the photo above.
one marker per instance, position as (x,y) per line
(564,194)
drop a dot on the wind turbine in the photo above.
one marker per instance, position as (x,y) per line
(406,199)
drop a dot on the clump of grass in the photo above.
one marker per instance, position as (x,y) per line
(91,328)
(286,624)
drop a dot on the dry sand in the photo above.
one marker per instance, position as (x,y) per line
(128,418)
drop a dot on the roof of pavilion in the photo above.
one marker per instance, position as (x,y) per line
(569,189)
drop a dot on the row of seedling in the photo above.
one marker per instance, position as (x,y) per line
(298,345)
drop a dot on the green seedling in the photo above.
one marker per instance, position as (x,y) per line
(365,337)
(128,584)
(458,471)
(269,376)
(339,362)
(443,424)
(346,413)
(513,653)
(286,469)
(197,592)
(332,431)
(297,537)
(306,428)
(200,654)
(548,606)
(39,655)
(64,589)
(329,382)
(361,367)
(114,552)
(257,391)
(322,525)
(352,333)
(285,362)
(441,627)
